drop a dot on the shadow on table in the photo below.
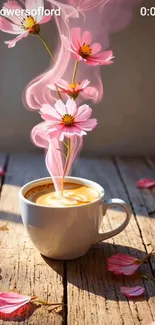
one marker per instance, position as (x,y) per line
(9,216)
(89,273)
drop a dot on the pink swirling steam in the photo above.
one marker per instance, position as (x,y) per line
(37,92)
(75,27)
(74,71)
(109,16)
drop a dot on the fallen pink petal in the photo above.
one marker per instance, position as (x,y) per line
(11,301)
(152,323)
(2,172)
(132,291)
(146,183)
(123,264)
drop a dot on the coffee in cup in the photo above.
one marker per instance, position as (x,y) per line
(73,195)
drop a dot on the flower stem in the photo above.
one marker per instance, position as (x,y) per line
(69,142)
(47,48)
(147,277)
(75,72)
(59,95)
(66,166)
(147,257)
(52,57)
(45,303)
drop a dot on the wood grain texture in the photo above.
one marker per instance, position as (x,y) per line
(21,266)
(93,293)
(142,200)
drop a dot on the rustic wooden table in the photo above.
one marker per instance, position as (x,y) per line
(91,295)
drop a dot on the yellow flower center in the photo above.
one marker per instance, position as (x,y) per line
(68,119)
(73,86)
(28,22)
(85,50)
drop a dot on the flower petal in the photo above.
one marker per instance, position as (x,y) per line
(71,131)
(84,83)
(13,5)
(103,58)
(71,107)
(77,57)
(123,264)
(76,38)
(96,47)
(88,125)
(7,27)
(83,113)
(44,20)
(146,183)
(49,113)
(34,4)
(60,107)
(86,38)
(132,291)
(56,132)
(11,301)
(63,84)
(13,42)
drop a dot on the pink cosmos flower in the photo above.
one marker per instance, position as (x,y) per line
(82,48)
(74,89)
(23,24)
(152,323)
(146,183)
(123,264)
(11,301)
(67,120)
(132,291)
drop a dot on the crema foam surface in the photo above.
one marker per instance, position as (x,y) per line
(73,195)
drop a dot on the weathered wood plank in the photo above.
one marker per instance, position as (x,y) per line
(22,267)
(143,200)
(93,293)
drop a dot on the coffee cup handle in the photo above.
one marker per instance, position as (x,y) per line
(107,204)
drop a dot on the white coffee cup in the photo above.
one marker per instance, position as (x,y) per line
(68,232)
